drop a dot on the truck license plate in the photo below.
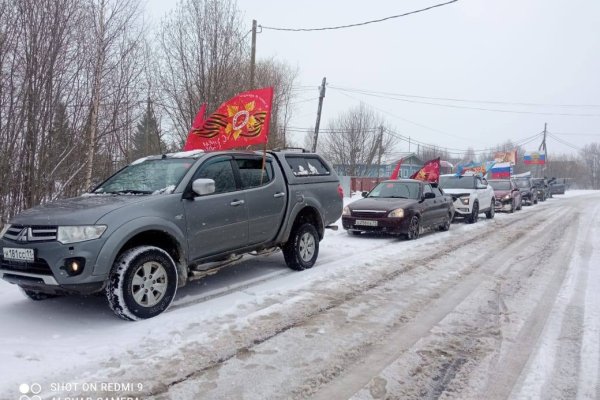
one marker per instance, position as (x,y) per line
(365,222)
(18,254)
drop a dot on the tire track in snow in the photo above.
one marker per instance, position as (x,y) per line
(452,348)
(474,264)
(552,368)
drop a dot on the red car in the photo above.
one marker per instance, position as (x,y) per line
(508,195)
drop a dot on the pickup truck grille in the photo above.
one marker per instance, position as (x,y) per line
(21,233)
(38,266)
(369,213)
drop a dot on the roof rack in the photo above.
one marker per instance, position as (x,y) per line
(292,149)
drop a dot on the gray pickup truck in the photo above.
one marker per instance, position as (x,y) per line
(164,220)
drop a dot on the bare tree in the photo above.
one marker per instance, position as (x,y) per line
(354,139)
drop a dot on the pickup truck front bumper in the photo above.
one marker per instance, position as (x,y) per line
(47,273)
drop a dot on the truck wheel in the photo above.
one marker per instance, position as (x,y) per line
(302,248)
(142,283)
(492,211)
(471,219)
(37,296)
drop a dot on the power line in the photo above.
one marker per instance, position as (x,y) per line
(374,92)
(564,142)
(357,24)
(468,107)
(405,119)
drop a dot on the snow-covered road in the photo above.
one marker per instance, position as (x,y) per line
(505,308)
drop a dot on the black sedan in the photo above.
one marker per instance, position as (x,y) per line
(399,207)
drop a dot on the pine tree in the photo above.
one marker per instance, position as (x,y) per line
(147,139)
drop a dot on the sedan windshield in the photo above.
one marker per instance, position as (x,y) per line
(457,182)
(500,185)
(522,183)
(400,190)
(147,177)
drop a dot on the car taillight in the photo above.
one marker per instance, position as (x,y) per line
(340,191)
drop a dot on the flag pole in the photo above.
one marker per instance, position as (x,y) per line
(264,160)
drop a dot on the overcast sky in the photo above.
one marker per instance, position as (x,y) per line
(513,51)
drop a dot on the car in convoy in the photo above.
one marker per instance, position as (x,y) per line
(542,189)
(528,191)
(508,195)
(557,188)
(399,207)
(471,195)
(165,220)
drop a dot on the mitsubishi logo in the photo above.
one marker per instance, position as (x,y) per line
(22,236)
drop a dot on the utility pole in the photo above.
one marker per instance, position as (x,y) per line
(409,144)
(321,97)
(253,54)
(381,129)
(543,147)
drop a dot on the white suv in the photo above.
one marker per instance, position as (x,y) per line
(471,194)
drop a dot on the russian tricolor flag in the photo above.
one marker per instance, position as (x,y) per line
(501,171)
(535,158)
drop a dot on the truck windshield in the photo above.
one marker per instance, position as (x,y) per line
(400,190)
(147,177)
(457,182)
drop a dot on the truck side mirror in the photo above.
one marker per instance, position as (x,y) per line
(364,194)
(203,186)
(429,195)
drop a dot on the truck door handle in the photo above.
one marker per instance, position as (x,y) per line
(279,194)
(236,203)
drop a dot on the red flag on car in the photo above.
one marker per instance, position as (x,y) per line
(239,122)
(194,141)
(430,172)
(396,171)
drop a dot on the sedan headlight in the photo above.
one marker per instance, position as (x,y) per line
(465,200)
(506,197)
(74,234)
(397,213)
(4,229)
(346,211)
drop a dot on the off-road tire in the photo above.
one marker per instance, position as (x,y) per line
(471,219)
(302,248)
(489,214)
(133,270)
(37,296)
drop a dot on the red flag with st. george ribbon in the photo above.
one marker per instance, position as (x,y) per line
(239,122)
(430,172)
(396,171)
(194,141)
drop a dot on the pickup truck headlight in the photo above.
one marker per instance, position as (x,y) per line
(346,211)
(465,200)
(74,234)
(397,213)
(4,229)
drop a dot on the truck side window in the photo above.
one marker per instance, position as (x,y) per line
(307,165)
(427,189)
(251,171)
(218,169)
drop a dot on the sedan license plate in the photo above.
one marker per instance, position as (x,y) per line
(365,222)
(18,254)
